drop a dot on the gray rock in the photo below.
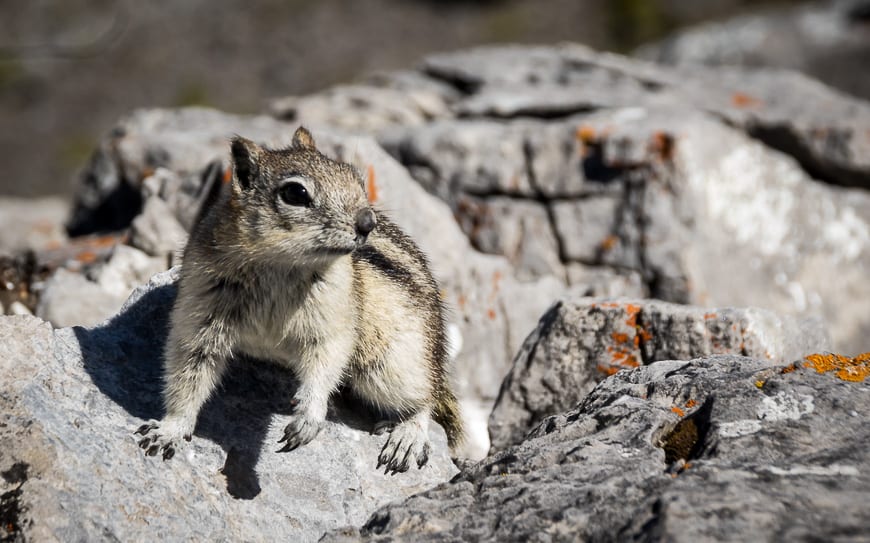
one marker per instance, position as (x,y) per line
(586,228)
(156,230)
(704,213)
(605,282)
(383,102)
(71,399)
(830,139)
(74,298)
(720,448)
(521,230)
(580,341)
(826,40)
(31,224)
(68,298)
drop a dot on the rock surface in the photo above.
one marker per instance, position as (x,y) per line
(827,40)
(72,470)
(719,448)
(705,182)
(580,341)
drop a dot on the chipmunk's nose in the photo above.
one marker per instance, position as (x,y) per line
(365,223)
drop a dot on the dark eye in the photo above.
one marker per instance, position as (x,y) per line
(294,194)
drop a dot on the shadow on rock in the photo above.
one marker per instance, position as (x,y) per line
(123,357)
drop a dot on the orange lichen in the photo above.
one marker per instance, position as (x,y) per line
(608,243)
(619,337)
(491,314)
(644,334)
(228,176)
(678,411)
(371,186)
(710,316)
(585,133)
(691,403)
(744,101)
(633,311)
(86,257)
(848,369)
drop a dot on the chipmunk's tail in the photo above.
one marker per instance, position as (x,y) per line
(446,413)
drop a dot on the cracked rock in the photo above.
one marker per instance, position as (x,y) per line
(718,448)
(580,341)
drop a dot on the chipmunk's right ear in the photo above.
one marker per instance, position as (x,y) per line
(246,160)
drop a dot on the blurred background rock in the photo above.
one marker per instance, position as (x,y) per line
(69,70)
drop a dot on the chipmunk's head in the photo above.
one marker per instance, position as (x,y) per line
(296,203)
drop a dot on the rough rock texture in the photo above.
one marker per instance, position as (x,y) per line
(680,175)
(72,470)
(827,40)
(723,448)
(580,341)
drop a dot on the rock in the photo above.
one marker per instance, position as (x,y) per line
(156,231)
(645,180)
(383,102)
(111,190)
(71,399)
(69,298)
(519,230)
(719,448)
(826,40)
(604,282)
(18,308)
(580,341)
(31,224)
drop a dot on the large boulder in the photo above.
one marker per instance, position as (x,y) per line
(704,182)
(827,40)
(72,471)
(580,341)
(719,448)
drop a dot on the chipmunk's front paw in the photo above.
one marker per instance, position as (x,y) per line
(408,442)
(300,431)
(162,437)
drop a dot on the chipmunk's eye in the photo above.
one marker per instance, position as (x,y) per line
(294,194)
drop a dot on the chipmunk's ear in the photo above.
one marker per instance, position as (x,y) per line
(302,139)
(246,160)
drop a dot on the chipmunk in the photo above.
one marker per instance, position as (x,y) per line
(292,264)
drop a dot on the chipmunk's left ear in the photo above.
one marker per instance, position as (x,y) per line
(246,161)
(302,139)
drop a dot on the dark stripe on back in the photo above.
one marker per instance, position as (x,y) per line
(387,266)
